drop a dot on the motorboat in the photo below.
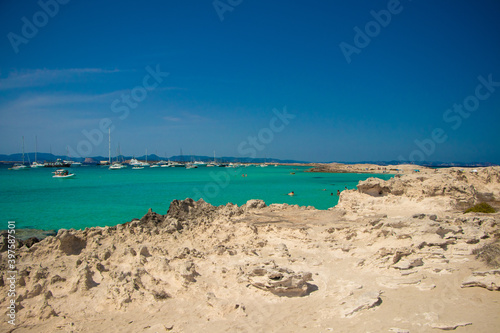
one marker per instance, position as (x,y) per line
(134,162)
(173,164)
(62,173)
(37,165)
(117,166)
(57,164)
(19,166)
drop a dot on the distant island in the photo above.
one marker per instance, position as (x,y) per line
(47,157)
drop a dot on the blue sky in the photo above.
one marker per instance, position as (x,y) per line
(226,76)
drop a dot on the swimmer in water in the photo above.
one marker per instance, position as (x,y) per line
(291,193)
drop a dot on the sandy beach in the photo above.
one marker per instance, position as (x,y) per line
(392,256)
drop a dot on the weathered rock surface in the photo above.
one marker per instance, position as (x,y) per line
(365,301)
(437,190)
(69,243)
(280,281)
(449,327)
(487,279)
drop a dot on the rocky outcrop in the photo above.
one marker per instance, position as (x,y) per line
(255,204)
(188,213)
(188,271)
(280,281)
(69,243)
(487,279)
(19,242)
(189,210)
(449,190)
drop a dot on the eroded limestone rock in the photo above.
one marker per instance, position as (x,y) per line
(280,281)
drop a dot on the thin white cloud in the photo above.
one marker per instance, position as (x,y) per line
(196,117)
(28,101)
(172,119)
(43,77)
(186,117)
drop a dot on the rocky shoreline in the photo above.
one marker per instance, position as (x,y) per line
(367,168)
(393,256)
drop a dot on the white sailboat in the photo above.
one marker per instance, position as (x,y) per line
(117,165)
(145,164)
(212,164)
(35,164)
(18,166)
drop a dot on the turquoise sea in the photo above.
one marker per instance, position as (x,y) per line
(97,196)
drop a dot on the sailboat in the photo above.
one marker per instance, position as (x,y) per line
(108,162)
(70,162)
(117,165)
(191,165)
(18,166)
(163,163)
(158,163)
(35,164)
(154,165)
(145,164)
(212,164)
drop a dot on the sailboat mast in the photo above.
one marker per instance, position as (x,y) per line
(109,146)
(23,149)
(36,146)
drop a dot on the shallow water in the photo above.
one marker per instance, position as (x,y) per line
(97,196)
